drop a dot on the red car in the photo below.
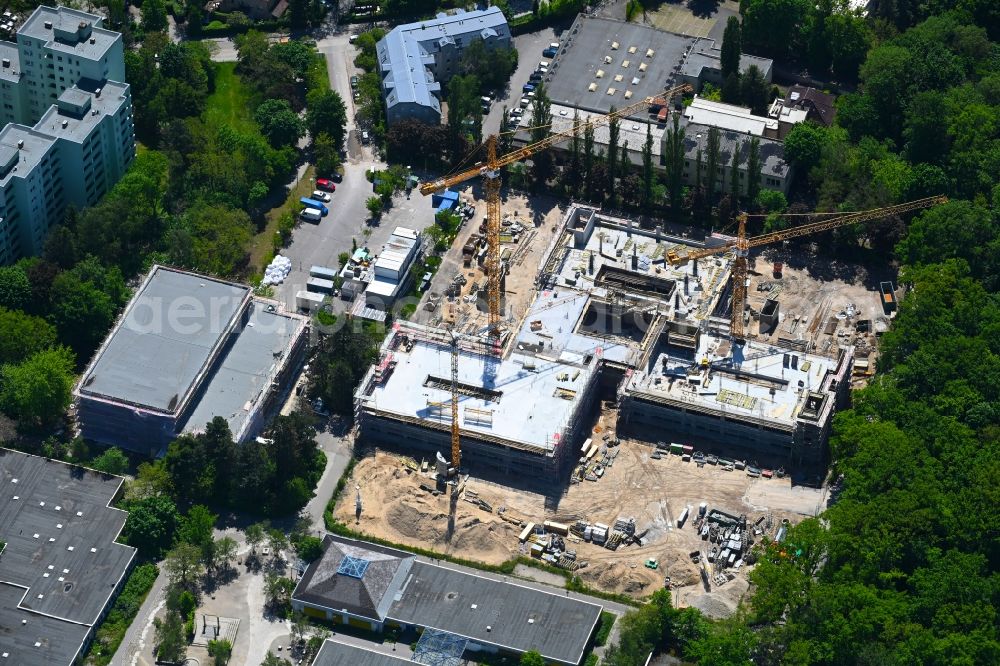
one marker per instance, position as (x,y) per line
(325,184)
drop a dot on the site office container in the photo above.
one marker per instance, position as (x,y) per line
(677,449)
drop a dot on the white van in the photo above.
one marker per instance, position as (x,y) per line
(311,215)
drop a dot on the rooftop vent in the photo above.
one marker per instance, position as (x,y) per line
(97,93)
(6,62)
(20,144)
(48,25)
(93,40)
(65,124)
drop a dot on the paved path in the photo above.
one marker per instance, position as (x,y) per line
(139,636)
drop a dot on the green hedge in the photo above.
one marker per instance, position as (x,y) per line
(111,632)
(604,629)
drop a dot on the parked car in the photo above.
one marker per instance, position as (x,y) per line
(365,138)
(354,82)
(550,52)
(326,184)
(336,177)
(352,39)
(528,87)
(536,76)
(320,195)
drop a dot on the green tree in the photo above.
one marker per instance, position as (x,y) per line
(220,238)
(279,123)
(648,175)
(804,146)
(151,525)
(712,165)
(23,336)
(171,644)
(272,659)
(255,535)
(197,528)
(754,167)
(588,158)
(112,461)
(532,658)
(191,473)
(183,565)
(772,26)
(309,548)
(674,161)
(732,45)
(220,651)
(326,114)
(220,450)
(374,206)
(614,134)
(154,16)
(848,38)
(957,229)
(278,590)
(755,91)
(82,313)
(541,127)
(15,288)
(38,390)
(223,552)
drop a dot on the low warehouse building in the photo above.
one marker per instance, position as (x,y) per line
(375,587)
(60,567)
(188,348)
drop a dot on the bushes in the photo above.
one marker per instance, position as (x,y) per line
(604,630)
(123,611)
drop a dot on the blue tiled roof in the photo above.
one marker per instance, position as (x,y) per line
(406,59)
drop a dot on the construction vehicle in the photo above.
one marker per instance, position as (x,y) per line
(741,247)
(491,173)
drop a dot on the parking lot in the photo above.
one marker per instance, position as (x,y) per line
(529,52)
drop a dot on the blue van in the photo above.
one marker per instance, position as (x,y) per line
(312,203)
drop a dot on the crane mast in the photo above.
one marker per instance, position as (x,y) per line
(491,173)
(741,248)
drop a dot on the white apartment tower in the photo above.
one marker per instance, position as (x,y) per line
(68,134)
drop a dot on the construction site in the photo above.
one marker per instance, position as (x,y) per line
(609,311)
(604,385)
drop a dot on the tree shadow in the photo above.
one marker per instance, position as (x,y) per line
(703,8)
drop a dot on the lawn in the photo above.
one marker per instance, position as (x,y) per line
(230,103)
(262,249)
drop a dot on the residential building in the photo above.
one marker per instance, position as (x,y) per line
(375,587)
(801,104)
(69,134)
(416,58)
(189,348)
(60,568)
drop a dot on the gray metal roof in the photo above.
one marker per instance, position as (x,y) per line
(61,560)
(368,596)
(165,340)
(33,148)
(497,613)
(582,56)
(334,653)
(61,29)
(248,368)
(406,53)
(772,153)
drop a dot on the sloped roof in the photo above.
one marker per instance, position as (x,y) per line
(331,581)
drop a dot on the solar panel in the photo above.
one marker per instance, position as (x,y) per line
(353,566)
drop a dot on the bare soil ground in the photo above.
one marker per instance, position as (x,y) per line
(398,505)
(540,217)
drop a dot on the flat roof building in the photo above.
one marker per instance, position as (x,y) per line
(188,348)
(609,311)
(61,568)
(371,586)
(68,135)
(605,62)
(335,653)
(416,58)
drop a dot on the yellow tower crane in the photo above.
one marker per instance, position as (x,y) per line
(491,173)
(741,247)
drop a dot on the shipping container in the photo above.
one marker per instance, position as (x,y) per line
(319,285)
(677,449)
(526,532)
(322,272)
(556,528)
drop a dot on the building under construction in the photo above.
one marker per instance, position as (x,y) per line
(612,319)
